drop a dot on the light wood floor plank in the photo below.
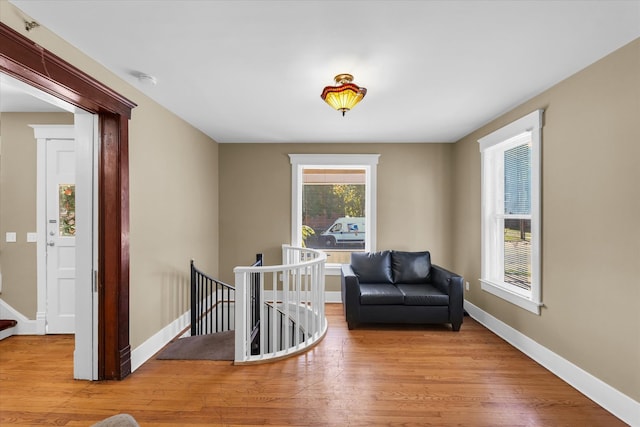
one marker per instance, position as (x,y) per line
(375,375)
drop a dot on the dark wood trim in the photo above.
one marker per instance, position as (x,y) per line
(27,61)
(23,59)
(114,266)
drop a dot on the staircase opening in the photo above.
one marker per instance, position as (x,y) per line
(275,311)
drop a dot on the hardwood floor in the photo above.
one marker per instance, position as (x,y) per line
(382,375)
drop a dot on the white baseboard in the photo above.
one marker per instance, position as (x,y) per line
(41,323)
(25,326)
(147,349)
(6,333)
(619,404)
(330,297)
(333,297)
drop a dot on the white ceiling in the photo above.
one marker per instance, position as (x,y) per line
(15,97)
(253,71)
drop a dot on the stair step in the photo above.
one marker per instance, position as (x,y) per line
(7,323)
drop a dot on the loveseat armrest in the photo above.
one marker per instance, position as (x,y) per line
(452,284)
(350,288)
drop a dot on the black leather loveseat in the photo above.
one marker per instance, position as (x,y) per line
(400,287)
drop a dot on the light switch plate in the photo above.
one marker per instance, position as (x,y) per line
(32,237)
(10,237)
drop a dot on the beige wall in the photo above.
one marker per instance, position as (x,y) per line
(18,206)
(174,215)
(590,221)
(414,199)
(173,195)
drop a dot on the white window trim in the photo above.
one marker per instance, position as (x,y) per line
(531,301)
(363,161)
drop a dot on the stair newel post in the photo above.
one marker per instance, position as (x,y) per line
(193,301)
(242,324)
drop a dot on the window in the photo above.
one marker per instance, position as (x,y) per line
(511,212)
(67,207)
(334,204)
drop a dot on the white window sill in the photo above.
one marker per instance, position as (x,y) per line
(521,300)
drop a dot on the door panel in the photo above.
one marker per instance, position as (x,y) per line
(61,240)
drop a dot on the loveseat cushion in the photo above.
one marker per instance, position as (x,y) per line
(411,267)
(380,294)
(422,295)
(372,267)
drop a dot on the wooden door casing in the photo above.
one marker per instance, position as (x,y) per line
(24,60)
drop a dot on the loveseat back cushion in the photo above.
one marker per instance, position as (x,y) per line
(380,294)
(372,267)
(411,267)
(422,295)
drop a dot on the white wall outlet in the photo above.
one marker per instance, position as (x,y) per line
(11,237)
(467,285)
(32,237)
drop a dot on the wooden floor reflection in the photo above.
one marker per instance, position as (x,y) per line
(375,375)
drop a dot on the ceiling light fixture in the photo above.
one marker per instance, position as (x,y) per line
(344,95)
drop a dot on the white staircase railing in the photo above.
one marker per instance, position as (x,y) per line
(280,309)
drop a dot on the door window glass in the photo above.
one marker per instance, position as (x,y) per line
(67,215)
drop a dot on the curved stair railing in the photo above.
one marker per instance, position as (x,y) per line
(279,310)
(213,309)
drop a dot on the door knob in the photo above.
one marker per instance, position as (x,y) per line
(51,243)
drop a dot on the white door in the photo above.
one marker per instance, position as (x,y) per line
(61,240)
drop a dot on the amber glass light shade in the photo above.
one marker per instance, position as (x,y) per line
(345,95)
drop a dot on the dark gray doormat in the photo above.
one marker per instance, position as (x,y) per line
(218,346)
